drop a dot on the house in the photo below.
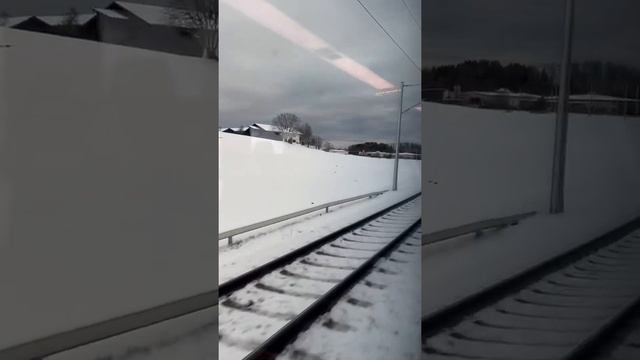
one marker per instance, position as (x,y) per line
(599,104)
(148,27)
(501,99)
(131,24)
(274,133)
(83,26)
(243,130)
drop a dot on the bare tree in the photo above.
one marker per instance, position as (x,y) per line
(70,18)
(287,122)
(326,146)
(202,17)
(316,141)
(307,133)
(4,18)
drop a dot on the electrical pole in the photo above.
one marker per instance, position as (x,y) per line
(560,143)
(626,100)
(637,100)
(395,165)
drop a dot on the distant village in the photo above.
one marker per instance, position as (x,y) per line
(166,29)
(596,87)
(504,99)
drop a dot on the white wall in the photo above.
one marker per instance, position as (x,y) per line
(491,163)
(483,164)
(107,181)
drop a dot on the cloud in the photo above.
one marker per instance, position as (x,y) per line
(262,74)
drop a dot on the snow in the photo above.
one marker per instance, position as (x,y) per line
(264,310)
(157,15)
(60,20)
(268,127)
(13,21)
(107,160)
(388,328)
(261,179)
(564,308)
(187,337)
(491,163)
(110,13)
(594,97)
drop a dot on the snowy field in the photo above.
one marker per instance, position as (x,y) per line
(107,182)
(261,179)
(491,163)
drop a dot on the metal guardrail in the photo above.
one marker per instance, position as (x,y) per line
(231,233)
(53,344)
(476,227)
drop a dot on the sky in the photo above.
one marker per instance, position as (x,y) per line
(263,74)
(528,31)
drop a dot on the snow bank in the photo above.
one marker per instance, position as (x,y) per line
(107,181)
(261,179)
(483,163)
(492,163)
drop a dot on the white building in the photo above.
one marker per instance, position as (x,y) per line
(274,132)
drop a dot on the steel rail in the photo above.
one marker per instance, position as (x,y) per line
(287,334)
(449,315)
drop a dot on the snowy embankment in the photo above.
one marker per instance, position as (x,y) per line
(261,179)
(492,163)
(107,158)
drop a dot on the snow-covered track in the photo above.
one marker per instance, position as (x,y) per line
(561,309)
(261,314)
(243,280)
(622,343)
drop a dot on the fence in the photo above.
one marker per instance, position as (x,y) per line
(476,227)
(231,233)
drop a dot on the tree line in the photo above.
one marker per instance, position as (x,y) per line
(406,147)
(289,122)
(488,75)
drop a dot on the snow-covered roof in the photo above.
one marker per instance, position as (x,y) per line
(274,128)
(157,15)
(505,92)
(593,97)
(13,21)
(110,13)
(267,127)
(57,20)
(598,97)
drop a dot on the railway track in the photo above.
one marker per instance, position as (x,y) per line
(623,343)
(566,308)
(263,311)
